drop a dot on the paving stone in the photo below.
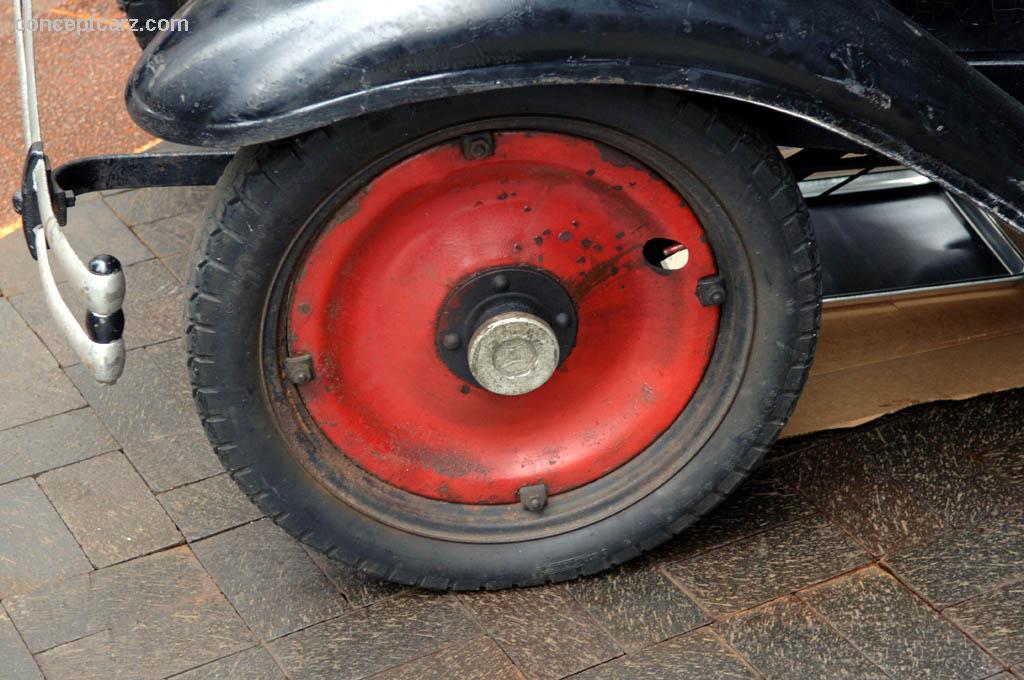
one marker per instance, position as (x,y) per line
(174,460)
(955,566)
(109,509)
(359,589)
(208,507)
(141,206)
(155,302)
(93,228)
(179,266)
(1007,462)
(787,639)
(31,306)
(172,235)
(854,481)
(131,602)
(171,147)
(959,421)
(958,486)
(375,638)
(700,655)
(35,546)
(171,360)
(638,605)
(479,659)
(269,578)
(544,631)
(52,442)
(962,431)
(996,620)
(252,664)
(149,648)
(15,659)
(963,493)
(763,501)
(776,562)
(18,271)
(897,631)
(34,386)
(142,405)
(788,446)
(167,461)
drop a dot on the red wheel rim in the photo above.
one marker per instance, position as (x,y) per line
(366,300)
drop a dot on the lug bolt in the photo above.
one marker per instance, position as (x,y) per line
(451,341)
(478,146)
(500,283)
(562,320)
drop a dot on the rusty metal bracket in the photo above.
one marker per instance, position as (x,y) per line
(26,199)
(299,369)
(535,497)
(711,291)
(133,171)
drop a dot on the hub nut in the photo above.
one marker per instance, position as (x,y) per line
(513,353)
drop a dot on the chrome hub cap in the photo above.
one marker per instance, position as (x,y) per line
(513,353)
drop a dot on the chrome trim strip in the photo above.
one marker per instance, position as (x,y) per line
(926,291)
(991,234)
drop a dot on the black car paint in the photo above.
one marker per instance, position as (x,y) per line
(247,72)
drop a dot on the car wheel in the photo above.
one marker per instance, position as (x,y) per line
(506,338)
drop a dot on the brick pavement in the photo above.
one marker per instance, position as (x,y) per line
(81,90)
(895,550)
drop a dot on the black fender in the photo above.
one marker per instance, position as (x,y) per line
(250,72)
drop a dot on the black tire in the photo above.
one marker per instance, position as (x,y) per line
(268,194)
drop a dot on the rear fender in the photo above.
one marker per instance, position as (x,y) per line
(251,72)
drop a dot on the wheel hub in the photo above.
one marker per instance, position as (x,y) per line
(507,329)
(483,323)
(513,353)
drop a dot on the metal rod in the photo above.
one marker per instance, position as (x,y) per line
(30,124)
(30,60)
